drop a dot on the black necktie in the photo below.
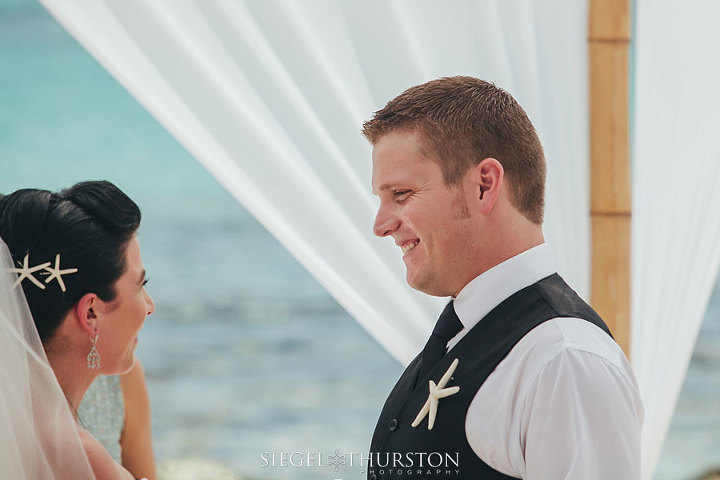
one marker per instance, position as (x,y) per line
(447,326)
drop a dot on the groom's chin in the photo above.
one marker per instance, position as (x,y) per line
(420,285)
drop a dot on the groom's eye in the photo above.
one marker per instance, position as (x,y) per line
(400,193)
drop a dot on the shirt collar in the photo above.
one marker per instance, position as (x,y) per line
(490,288)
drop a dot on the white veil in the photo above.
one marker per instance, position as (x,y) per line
(38,436)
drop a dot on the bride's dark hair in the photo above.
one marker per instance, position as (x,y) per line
(88,224)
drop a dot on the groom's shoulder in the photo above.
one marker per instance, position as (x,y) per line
(572,340)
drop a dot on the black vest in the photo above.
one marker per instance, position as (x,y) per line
(400,451)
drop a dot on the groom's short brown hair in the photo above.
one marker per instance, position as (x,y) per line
(463,120)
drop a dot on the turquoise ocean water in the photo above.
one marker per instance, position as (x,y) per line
(246,353)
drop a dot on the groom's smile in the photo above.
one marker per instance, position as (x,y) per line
(407,246)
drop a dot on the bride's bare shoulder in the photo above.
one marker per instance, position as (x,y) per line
(104,467)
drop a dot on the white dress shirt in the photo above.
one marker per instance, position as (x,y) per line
(564,403)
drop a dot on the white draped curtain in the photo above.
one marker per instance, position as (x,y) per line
(270,96)
(676,197)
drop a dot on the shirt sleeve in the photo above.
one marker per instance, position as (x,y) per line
(581,419)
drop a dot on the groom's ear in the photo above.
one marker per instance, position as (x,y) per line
(85,312)
(486,179)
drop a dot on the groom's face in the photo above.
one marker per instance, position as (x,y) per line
(428,219)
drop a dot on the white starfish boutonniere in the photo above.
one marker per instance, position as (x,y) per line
(436,393)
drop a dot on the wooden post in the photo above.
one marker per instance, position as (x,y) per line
(610,205)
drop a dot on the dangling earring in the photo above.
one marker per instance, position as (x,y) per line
(93,358)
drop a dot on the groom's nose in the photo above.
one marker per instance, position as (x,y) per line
(385,222)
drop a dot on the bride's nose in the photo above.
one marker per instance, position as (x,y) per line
(150,304)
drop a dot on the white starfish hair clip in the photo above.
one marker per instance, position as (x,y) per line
(436,393)
(26,271)
(57,273)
